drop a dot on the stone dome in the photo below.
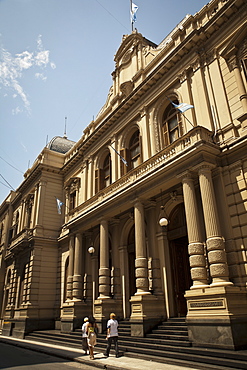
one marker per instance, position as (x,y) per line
(60,144)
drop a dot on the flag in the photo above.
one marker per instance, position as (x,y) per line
(182,107)
(59,206)
(133,11)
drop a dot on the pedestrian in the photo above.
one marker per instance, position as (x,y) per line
(92,331)
(112,335)
(84,335)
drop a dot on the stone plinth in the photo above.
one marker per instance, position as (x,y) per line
(72,315)
(146,312)
(103,308)
(217,317)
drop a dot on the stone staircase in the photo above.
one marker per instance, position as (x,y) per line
(168,343)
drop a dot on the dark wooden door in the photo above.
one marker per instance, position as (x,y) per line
(181,272)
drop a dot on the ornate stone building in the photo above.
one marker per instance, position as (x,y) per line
(141,160)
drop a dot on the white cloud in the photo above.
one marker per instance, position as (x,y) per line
(40,76)
(12,69)
(17,110)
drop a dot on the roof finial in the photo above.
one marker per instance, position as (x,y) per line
(65,136)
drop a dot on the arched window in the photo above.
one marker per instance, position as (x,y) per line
(106,171)
(16,223)
(132,154)
(171,124)
(135,150)
(103,174)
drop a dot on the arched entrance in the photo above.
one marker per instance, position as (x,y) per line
(178,242)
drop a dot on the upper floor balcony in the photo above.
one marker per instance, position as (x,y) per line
(185,146)
(19,241)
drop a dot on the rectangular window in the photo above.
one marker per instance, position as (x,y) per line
(72,201)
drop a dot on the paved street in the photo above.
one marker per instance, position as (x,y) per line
(29,355)
(14,358)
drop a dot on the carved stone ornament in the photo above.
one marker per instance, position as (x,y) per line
(127,57)
(74,184)
(126,88)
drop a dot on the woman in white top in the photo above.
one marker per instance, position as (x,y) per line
(112,335)
(84,335)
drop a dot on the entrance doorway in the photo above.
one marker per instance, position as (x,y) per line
(178,242)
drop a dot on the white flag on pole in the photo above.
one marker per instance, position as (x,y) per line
(133,12)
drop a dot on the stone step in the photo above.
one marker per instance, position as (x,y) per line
(140,347)
(167,343)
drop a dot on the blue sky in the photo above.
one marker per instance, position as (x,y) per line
(56,60)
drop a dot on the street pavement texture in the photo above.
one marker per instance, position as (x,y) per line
(100,361)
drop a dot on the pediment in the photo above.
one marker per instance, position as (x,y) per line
(129,44)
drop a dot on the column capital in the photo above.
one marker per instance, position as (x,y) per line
(114,221)
(188,174)
(151,204)
(204,167)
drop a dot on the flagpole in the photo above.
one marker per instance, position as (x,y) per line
(132,22)
(122,159)
(187,119)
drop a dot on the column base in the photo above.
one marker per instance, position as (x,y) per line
(102,309)
(217,317)
(147,311)
(72,315)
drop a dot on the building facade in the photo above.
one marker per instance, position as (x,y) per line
(81,235)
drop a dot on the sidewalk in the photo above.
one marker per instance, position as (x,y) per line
(111,363)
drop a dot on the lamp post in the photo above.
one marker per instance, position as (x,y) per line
(91,251)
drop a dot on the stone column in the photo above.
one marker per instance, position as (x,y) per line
(90,178)
(77,278)
(22,218)
(146,149)
(70,268)
(36,198)
(40,204)
(104,271)
(114,159)
(154,262)
(141,263)
(115,273)
(215,242)
(196,247)
(84,181)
